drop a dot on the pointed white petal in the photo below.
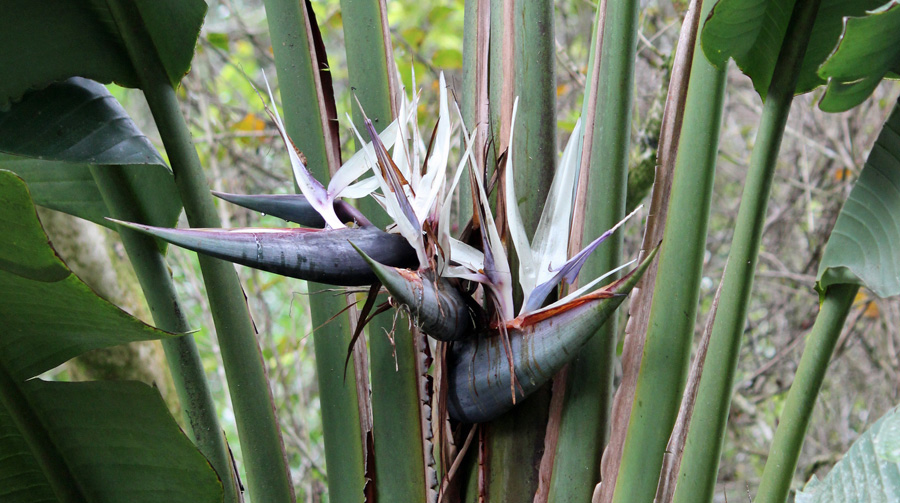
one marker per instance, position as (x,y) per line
(514,218)
(360,189)
(357,166)
(465,255)
(310,187)
(432,181)
(551,239)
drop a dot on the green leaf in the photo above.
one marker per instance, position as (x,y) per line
(862,247)
(752,32)
(49,315)
(115,440)
(868,51)
(219,40)
(24,249)
(58,132)
(862,474)
(447,59)
(41,42)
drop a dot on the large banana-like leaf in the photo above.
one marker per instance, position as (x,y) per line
(862,249)
(870,471)
(541,343)
(49,40)
(58,132)
(96,441)
(49,315)
(869,50)
(323,256)
(752,32)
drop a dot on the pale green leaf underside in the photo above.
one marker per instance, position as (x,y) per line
(863,246)
(48,317)
(58,132)
(117,439)
(862,475)
(868,52)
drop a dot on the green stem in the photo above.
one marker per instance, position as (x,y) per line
(706,434)
(341,420)
(181,353)
(673,312)
(267,473)
(396,413)
(785,450)
(517,437)
(584,428)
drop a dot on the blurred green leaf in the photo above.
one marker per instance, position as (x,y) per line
(58,132)
(440,13)
(862,474)
(219,40)
(414,35)
(862,249)
(868,52)
(447,59)
(49,315)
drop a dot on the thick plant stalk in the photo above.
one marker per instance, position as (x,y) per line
(691,120)
(524,65)
(584,426)
(267,474)
(670,326)
(782,461)
(699,466)
(400,400)
(181,353)
(345,422)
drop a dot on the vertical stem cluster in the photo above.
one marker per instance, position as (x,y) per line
(267,473)
(304,117)
(706,434)
(525,68)
(584,427)
(181,353)
(397,382)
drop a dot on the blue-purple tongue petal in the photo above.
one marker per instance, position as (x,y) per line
(323,256)
(569,271)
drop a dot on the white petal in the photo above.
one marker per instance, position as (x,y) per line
(357,166)
(551,239)
(514,218)
(310,187)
